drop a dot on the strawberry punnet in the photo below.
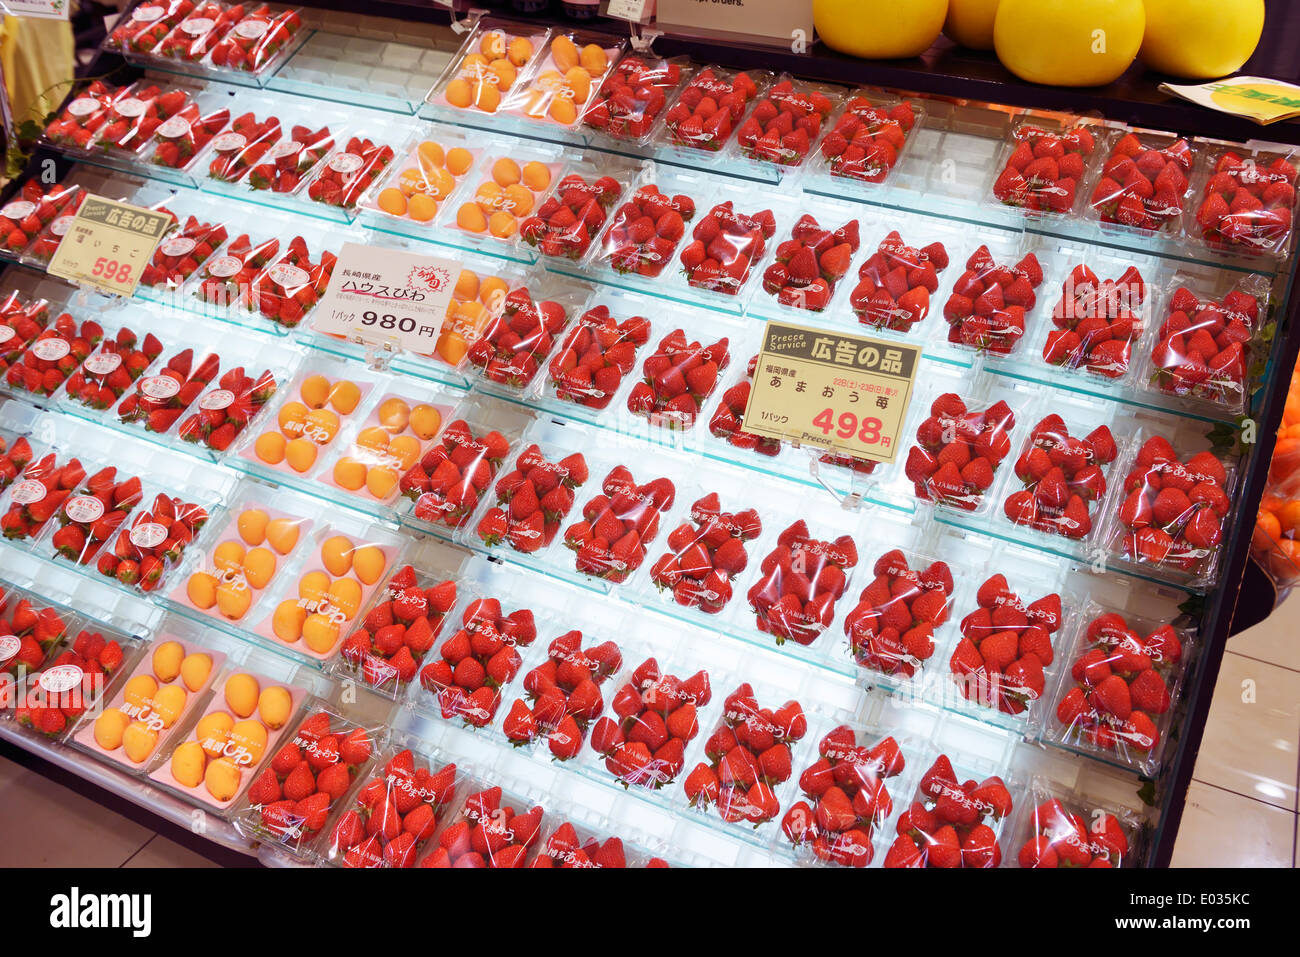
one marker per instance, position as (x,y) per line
(646,231)
(451,476)
(748,754)
(987,308)
(21,321)
(488,831)
(82,116)
(951,823)
(728,419)
(227,280)
(896,282)
(85,666)
(225,411)
(644,741)
(845,797)
(785,123)
(345,175)
(564,695)
(15,456)
(91,516)
(53,355)
(1097,322)
(572,216)
(252,43)
(291,798)
(159,400)
(290,161)
(708,109)
(566,847)
(154,543)
(1068,834)
(289,288)
(185,133)
(514,344)
(148,24)
(1044,170)
(1120,688)
(198,33)
(1005,645)
(958,450)
(43,486)
(1143,186)
(393,638)
(1063,476)
(395,812)
(676,380)
(618,524)
(627,104)
(1173,510)
(182,253)
(532,500)
(597,352)
(27,215)
(1203,347)
(724,245)
(810,263)
(1248,203)
(37,628)
(705,554)
(865,141)
(799,582)
(891,629)
(480,659)
(135,114)
(243,146)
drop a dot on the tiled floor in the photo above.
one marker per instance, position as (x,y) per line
(1241,808)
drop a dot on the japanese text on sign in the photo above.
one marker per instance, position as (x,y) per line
(108,243)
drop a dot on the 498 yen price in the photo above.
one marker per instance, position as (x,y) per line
(847,425)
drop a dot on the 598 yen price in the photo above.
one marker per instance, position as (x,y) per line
(111,270)
(846,425)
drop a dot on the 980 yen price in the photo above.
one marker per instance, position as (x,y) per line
(847,425)
(111,270)
(395,323)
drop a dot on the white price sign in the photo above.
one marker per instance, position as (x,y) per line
(387,297)
(631,10)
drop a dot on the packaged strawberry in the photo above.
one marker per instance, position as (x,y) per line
(799,582)
(990,300)
(588,366)
(1173,510)
(1096,322)
(474,664)
(1004,657)
(618,524)
(388,442)
(958,450)
(896,282)
(160,399)
(192,38)
(108,372)
(626,106)
(845,795)
(533,499)
(809,265)
(226,280)
(181,254)
(645,231)
(40,490)
(1145,182)
(655,717)
(82,117)
(950,822)
(348,173)
(42,248)
(706,553)
(15,456)
(25,216)
(1062,477)
(728,419)
(53,355)
(568,846)
(89,518)
(749,756)
(869,135)
(394,813)
(148,24)
(180,138)
(390,642)
(21,321)
(252,44)
(490,829)
(569,220)
(725,246)
(1044,166)
(73,680)
(514,345)
(290,800)
(1063,830)
(243,146)
(1125,676)
(1203,349)
(676,380)
(564,694)
(289,288)
(291,160)
(710,107)
(786,120)
(1248,203)
(488,71)
(892,628)
(510,186)
(448,480)
(30,630)
(136,114)
(154,542)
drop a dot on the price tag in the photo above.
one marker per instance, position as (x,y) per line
(630,10)
(108,244)
(832,390)
(386,297)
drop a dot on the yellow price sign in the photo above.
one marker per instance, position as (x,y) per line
(1256,98)
(108,244)
(832,390)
